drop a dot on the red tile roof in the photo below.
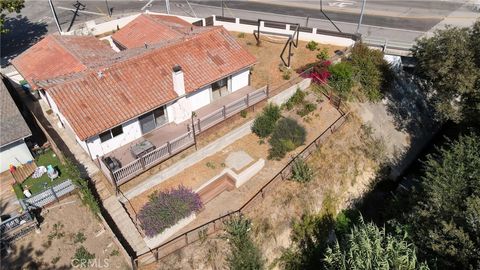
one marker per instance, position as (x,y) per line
(127,89)
(149,29)
(56,56)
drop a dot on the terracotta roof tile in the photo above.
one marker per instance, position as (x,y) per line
(149,29)
(93,103)
(56,56)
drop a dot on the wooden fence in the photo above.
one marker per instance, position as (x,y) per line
(217,224)
(136,167)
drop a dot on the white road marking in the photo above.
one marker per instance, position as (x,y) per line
(83,11)
(342,4)
(149,4)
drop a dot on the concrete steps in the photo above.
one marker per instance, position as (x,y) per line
(125,225)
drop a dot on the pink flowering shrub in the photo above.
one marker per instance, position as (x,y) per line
(166,208)
(318,71)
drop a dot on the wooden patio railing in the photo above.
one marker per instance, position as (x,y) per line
(139,165)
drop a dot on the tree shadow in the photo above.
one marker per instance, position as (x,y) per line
(22,35)
(26,257)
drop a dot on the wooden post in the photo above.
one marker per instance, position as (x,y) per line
(194,136)
(268,90)
(248,100)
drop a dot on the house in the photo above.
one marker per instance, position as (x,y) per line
(107,100)
(13,131)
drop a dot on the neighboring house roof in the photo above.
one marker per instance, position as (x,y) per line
(149,29)
(56,56)
(12,125)
(102,100)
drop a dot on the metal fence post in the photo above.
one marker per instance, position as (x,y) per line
(169,148)
(224,111)
(54,195)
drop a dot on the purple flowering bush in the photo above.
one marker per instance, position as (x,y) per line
(166,208)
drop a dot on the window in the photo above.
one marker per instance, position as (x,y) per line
(117,131)
(114,132)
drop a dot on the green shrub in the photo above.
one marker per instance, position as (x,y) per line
(243,113)
(312,45)
(306,109)
(301,171)
(82,257)
(341,78)
(287,136)
(79,238)
(287,74)
(265,123)
(296,99)
(83,186)
(323,54)
(244,254)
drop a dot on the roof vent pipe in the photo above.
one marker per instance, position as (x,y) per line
(178,80)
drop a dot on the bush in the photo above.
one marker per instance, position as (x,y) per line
(296,99)
(84,187)
(244,254)
(166,208)
(312,45)
(307,108)
(287,74)
(370,70)
(265,123)
(287,136)
(323,54)
(82,257)
(341,78)
(301,171)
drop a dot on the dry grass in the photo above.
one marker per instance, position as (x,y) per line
(267,70)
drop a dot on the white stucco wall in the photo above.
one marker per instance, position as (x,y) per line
(240,79)
(131,131)
(200,98)
(16,153)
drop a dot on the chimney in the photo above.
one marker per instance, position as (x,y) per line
(178,80)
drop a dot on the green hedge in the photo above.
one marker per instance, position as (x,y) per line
(264,124)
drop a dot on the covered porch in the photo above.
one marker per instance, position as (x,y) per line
(172,138)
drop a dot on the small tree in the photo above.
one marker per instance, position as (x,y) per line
(6,7)
(264,124)
(244,254)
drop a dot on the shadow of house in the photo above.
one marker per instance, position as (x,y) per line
(22,35)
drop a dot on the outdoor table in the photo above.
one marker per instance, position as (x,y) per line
(141,148)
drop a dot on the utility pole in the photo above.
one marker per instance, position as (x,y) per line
(108,9)
(167,3)
(55,18)
(361,15)
(223,15)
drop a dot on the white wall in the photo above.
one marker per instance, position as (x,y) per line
(240,79)
(16,153)
(131,131)
(200,98)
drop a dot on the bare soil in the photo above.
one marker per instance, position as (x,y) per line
(52,248)
(268,69)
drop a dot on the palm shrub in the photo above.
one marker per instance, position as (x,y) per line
(287,135)
(264,124)
(243,254)
(166,208)
(301,171)
(369,247)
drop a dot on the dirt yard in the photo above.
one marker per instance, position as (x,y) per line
(345,165)
(268,69)
(65,227)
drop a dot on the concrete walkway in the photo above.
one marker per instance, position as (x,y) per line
(178,167)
